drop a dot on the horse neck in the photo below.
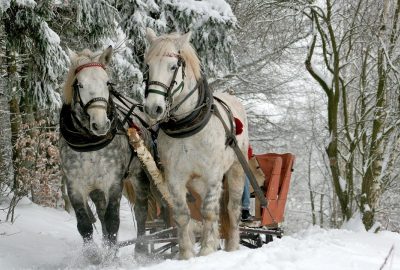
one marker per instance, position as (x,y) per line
(189,104)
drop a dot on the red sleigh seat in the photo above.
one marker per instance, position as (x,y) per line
(277,169)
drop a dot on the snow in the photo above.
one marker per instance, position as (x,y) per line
(4,5)
(26,3)
(45,238)
(354,224)
(342,183)
(217,9)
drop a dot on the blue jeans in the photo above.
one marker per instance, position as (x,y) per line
(246,195)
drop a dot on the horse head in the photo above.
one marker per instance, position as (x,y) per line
(171,62)
(87,89)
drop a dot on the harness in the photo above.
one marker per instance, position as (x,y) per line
(81,139)
(197,119)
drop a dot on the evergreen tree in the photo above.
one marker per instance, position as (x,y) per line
(5,132)
(211,22)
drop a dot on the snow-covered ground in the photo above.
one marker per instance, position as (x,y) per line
(44,238)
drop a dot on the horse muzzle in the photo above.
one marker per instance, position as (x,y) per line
(100,130)
(155,112)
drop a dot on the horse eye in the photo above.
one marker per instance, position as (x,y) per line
(174,67)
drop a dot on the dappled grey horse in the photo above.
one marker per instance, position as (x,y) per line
(95,153)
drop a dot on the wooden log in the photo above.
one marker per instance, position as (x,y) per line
(149,164)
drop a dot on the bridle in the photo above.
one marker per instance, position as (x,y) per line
(77,96)
(169,91)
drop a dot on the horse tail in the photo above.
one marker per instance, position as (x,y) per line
(129,192)
(225,223)
(153,210)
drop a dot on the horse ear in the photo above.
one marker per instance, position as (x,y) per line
(105,57)
(184,39)
(72,55)
(150,35)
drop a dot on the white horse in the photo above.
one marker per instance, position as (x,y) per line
(192,141)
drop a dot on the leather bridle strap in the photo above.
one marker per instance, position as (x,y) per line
(93,64)
(176,107)
(77,94)
(168,89)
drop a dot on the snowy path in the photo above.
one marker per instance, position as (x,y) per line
(44,238)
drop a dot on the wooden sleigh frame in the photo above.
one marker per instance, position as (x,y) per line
(273,173)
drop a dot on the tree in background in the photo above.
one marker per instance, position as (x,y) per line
(5,131)
(352,57)
(211,22)
(34,63)
(355,44)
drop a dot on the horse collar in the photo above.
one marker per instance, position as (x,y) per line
(197,120)
(81,140)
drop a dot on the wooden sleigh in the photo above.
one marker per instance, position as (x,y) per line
(273,173)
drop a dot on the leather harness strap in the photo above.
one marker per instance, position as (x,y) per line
(92,64)
(232,142)
(195,121)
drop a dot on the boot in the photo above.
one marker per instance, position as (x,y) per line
(246,216)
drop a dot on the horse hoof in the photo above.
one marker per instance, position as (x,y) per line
(205,251)
(110,253)
(92,253)
(232,247)
(141,249)
(185,255)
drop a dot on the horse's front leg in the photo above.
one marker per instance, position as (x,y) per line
(84,224)
(210,213)
(99,200)
(111,217)
(79,203)
(181,215)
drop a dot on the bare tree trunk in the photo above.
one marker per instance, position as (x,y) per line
(314,218)
(5,125)
(371,186)
(333,92)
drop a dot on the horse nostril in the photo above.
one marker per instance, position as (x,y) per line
(159,110)
(108,124)
(94,126)
(146,109)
